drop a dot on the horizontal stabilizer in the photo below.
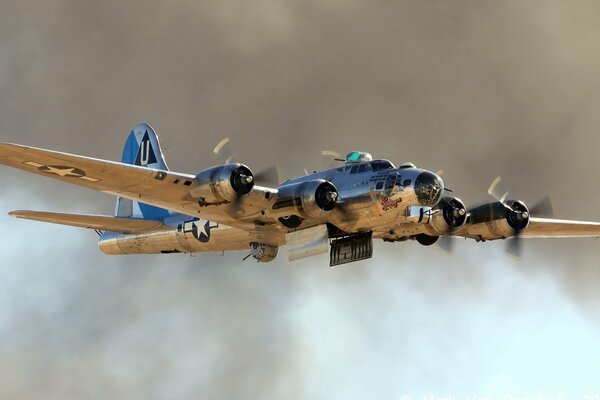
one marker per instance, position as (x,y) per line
(102,223)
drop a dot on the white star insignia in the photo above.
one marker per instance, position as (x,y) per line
(201,227)
(68,172)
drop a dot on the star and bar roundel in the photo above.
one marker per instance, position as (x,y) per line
(62,171)
(198,228)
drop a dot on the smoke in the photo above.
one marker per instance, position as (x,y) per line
(477,89)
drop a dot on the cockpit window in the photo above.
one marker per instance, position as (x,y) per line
(364,168)
(359,168)
(381,165)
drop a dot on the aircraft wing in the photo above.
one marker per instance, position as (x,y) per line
(557,228)
(103,223)
(159,188)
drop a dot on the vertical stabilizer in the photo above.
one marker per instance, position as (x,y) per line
(142,148)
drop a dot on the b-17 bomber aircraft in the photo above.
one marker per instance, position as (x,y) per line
(339,210)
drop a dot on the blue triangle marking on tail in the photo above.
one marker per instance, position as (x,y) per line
(145,154)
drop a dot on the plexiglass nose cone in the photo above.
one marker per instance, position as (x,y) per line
(428,188)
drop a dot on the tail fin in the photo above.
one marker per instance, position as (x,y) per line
(142,148)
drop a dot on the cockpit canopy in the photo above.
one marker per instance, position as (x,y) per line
(360,161)
(371,166)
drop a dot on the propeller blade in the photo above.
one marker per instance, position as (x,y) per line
(496,191)
(543,208)
(492,188)
(514,246)
(344,210)
(236,205)
(331,158)
(446,243)
(224,151)
(269,176)
(330,153)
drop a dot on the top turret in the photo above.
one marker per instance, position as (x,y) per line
(356,157)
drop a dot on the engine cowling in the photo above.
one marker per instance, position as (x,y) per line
(223,183)
(311,199)
(518,217)
(451,216)
(498,220)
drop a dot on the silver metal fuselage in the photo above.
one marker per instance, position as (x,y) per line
(376,201)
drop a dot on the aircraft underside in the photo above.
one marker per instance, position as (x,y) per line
(205,237)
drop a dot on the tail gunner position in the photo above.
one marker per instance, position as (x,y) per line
(338,210)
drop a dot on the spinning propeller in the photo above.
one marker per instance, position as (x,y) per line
(244,177)
(454,213)
(518,214)
(515,212)
(269,176)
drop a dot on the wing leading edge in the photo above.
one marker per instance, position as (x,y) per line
(159,188)
(558,228)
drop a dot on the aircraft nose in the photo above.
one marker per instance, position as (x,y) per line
(428,188)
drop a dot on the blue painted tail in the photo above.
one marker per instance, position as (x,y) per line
(142,148)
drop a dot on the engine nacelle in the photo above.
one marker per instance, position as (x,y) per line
(497,220)
(263,252)
(311,199)
(223,183)
(451,216)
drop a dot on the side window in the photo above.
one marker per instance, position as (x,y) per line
(389,182)
(381,165)
(354,169)
(364,168)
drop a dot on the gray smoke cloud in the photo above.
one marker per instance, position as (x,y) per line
(477,89)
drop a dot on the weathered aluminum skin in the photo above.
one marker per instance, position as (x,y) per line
(189,237)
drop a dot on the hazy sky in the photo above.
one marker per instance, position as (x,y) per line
(478,89)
